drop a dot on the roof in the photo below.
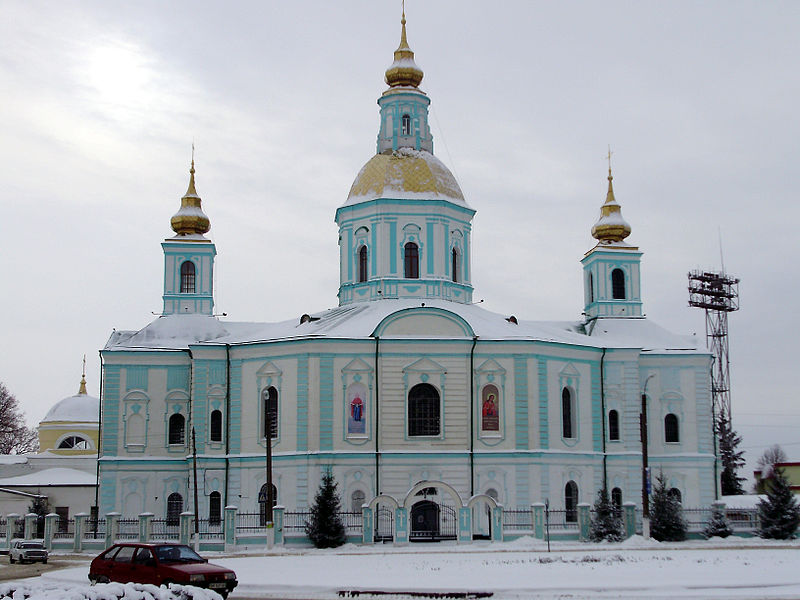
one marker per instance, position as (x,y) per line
(56,476)
(361,319)
(79,408)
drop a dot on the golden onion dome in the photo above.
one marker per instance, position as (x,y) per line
(610,227)
(190,218)
(403,71)
(405,174)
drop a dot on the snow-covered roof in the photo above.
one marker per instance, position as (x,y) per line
(51,477)
(742,501)
(80,408)
(360,320)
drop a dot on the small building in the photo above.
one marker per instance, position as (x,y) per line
(791,470)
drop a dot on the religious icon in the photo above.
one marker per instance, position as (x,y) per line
(356,423)
(490,420)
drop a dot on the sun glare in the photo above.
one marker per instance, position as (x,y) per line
(119,73)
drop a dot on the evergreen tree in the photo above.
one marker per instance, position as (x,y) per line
(606,522)
(718,526)
(666,514)
(40,506)
(732,458)
(779,513)
(325,527)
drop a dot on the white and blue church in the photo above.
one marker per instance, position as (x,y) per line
(407,391)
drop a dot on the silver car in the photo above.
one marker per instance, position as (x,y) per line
(27,550)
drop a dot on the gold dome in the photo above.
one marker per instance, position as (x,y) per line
(610,227)
(190,218)
(405,173)
(403,71)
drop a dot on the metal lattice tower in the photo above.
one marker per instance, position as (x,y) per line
(718,294)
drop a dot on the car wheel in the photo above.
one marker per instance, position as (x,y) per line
(103,579)
(44,562)
(11,559)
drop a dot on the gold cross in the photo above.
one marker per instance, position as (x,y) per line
(609,157)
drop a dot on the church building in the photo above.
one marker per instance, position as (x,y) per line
(406,389)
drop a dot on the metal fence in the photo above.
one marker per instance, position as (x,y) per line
(65,529)
(743,519)
(517,520)
(696,518)
(128,529)
(384,524)
(3,525)
(95,529)
(295,522)
(353,522)
(562,519)
(250,523)
(165,529)
(210,529)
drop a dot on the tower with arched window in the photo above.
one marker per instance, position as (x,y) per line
(189,258)
(612,285)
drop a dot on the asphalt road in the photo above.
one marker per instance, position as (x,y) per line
(21,571)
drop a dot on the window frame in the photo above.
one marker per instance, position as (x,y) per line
(405,125)
(215,426)
(214,508)
(672,426)
(571,501)
(173,433)
(363,264)
(411,260)
(173,500)
(266,399)
(417,424)
(188,277)
(613,426)
(618,284)
(568,414)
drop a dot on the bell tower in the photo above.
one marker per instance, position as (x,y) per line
(189,258)
(611,273)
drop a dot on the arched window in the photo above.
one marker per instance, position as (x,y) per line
(616,500)
(492,493)
(216,426)
(671,432)
(214,508)
(362,264)
(411,270)
(187,277)
(618,284)
(423,410)
(177,429)
(675,494)
(406,124)
(591,287)
(74,442)
(567,414)
(490,408)
(455,265)
(174,508)
(613,426)
(134,430)
(571,502)
(357,498)
(262,503)
(269,399)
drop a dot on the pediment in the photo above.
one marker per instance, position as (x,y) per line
(424,322)
(490,366)
(569,370)
(424,365)
(357,365)
(268,369)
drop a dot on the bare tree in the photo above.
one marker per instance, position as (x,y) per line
(768,460)
(15,436)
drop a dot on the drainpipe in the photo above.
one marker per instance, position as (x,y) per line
(377,419)
(603,409)
(472,417)
(643,428)
(99,444)
(190,427)
(227,417)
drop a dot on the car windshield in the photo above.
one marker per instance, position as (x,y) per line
(32,545)
(177,554)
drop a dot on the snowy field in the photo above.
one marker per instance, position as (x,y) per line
(733,568)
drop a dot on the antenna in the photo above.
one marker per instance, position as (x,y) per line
(721,257)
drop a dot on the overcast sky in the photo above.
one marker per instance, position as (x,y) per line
(100,103)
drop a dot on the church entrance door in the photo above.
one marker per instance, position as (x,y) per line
(425,521)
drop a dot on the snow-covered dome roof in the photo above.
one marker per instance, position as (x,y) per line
(405,173)
(78,408)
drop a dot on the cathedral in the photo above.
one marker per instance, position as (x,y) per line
(406,389)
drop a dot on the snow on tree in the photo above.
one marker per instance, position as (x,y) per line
(718,525)
(731,458)
(325,527)
(666,514)
(779,512)
(606,520)
(15,436)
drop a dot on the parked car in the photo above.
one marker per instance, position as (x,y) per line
(160,564)
(27,550)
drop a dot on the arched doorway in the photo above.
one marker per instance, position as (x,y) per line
(425,521)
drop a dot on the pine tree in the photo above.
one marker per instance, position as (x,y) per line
(718,526)
(732,459)
(779,513)
(666,514)
(606,522)
(325,527)
(40,506)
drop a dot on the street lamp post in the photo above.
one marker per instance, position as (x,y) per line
(645,468)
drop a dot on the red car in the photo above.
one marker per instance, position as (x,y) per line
(160,564)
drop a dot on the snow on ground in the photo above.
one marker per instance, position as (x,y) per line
(734,568)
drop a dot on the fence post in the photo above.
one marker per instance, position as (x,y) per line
(497,523)
(630,519)
(145,526)
(80,528)
(401,525)
(112,528)
(50,522)
(538,520)
(464,524)
(187,527)
(277,522)
(367,523)
(720,505)
(30,525)
(230,527)
(11,529)
(584,521)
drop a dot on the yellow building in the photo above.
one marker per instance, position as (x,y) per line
(791,471)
